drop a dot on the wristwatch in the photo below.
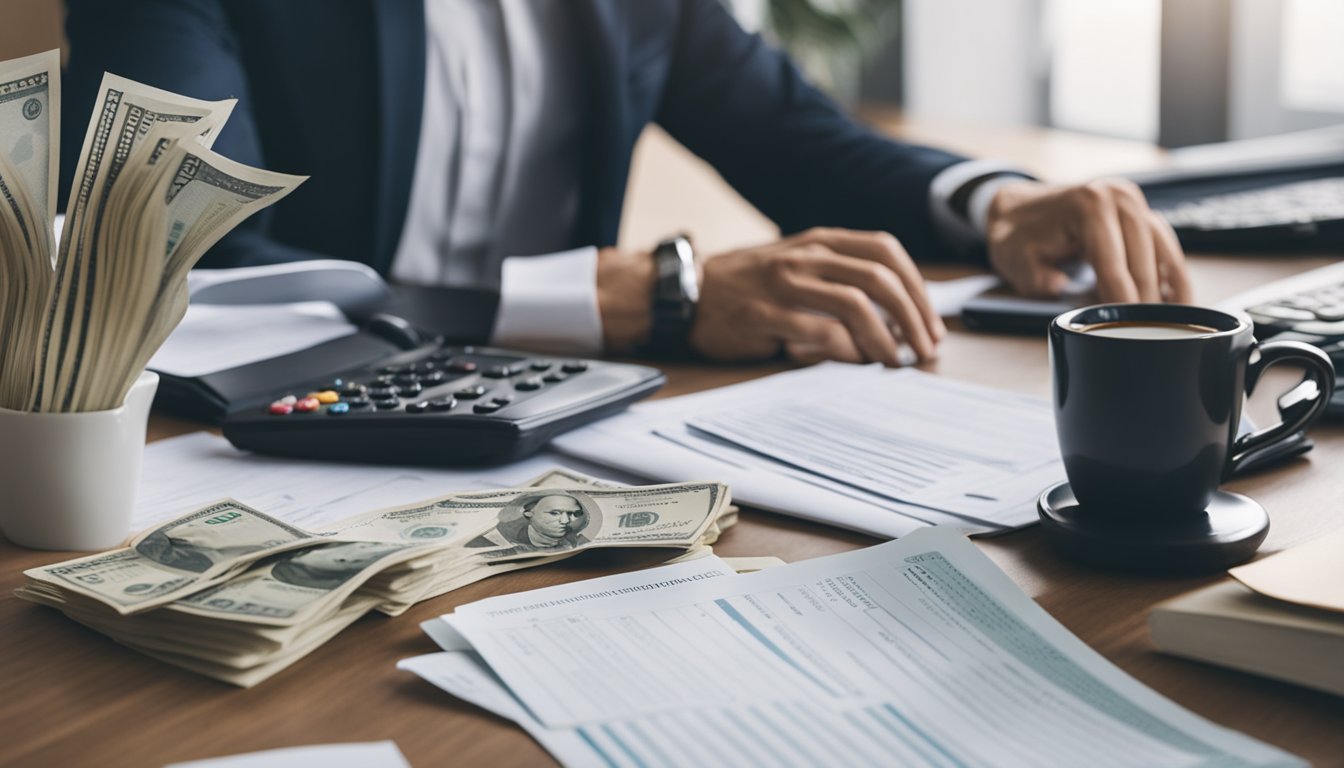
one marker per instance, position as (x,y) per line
(676,290)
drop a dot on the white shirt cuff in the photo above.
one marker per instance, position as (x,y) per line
(549,303)
(962,233)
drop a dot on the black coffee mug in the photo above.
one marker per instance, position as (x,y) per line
(1148,426)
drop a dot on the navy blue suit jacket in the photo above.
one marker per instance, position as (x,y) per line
(333,89)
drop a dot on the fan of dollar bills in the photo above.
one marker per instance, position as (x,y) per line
(229,592)
(79,319)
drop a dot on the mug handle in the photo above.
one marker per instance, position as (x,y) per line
(1298,407)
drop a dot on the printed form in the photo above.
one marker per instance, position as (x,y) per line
(907,435)
(915,652)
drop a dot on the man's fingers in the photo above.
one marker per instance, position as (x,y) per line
(883,287)
(810,338)
(1104,243)
(1171,261)
(1140,251)
(882,248)
(850,306)
(1037,277)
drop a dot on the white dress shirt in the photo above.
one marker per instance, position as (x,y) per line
(497,170)
(497,174)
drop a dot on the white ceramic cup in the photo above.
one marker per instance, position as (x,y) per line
(68,480)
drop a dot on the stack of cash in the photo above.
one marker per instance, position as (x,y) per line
(232,593)
(81,318)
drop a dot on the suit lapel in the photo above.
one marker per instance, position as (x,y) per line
(399,27)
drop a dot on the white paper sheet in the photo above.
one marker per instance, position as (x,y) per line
(374,754)
(914,652)
(909,436)
(185,472)
(218,337)
(949,296)
(652,440)
(586,592)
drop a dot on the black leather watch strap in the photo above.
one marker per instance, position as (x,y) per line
(676,291)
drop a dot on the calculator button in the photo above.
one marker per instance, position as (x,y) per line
(382,380)
(386,403)
(280,409)
(1331,314)
(540,365)
(355,403)
(408,378)
(1283,313)
(411,390)
(307,405)
(527,385)
(486,407)
(351,389)
(420,407)
(442,404)
(574,366)
(471,393)
(497,372)
(327,396)
(383,392)
(389,369)
(433,377)
(337,409)
(554,377)
(288,400)
(502,400)
(462,366)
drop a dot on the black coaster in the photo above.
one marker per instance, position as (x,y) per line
(1227,533)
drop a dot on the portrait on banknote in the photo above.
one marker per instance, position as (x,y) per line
(547,521)
(329,566)
(194,547)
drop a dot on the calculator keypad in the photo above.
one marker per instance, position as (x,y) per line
(430,381)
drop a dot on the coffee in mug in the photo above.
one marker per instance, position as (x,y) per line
(1149,330)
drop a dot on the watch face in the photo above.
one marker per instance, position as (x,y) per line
(690,286)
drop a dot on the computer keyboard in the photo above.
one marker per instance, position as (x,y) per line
(1300,210)
(1302,203)
(1310,309)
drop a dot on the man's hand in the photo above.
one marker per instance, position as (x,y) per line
(825,294)
(1036,230)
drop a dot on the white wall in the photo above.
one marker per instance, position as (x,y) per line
(976,60)
(1105,66)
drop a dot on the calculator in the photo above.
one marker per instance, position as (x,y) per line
(438,404)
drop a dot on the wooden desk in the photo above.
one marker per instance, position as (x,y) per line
(72,697)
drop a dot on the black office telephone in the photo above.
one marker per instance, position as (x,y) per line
(411,386)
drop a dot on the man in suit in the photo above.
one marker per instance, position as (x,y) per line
(448,139)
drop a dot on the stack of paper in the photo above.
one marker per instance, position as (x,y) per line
(861,447)
(914,652)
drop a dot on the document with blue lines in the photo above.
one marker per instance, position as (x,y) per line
(919,651)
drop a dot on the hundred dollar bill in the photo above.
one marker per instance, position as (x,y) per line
(200,196)
(295,586)
(531,522)
(123,114)
(563,477)
(175,559)
(30,125)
